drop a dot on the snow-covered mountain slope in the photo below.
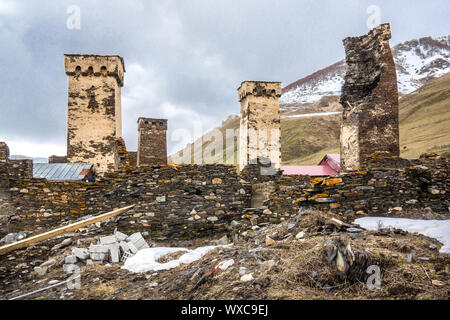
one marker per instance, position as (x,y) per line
(417,62)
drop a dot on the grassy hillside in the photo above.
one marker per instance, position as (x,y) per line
(303,137)
(425,119)
(424,127)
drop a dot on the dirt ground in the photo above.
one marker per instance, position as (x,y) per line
(282,264)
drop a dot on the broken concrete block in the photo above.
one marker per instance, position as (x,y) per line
(71,259)
(141,244)
(98,256)
(124,247)
(132,247)
(98,248)
(135,237)
(108,240)
(114,253)
(120,236)
(81,253)
(69,268)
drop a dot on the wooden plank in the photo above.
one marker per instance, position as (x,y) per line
(71,227)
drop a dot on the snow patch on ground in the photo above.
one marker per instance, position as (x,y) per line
(438,229)
(146,259)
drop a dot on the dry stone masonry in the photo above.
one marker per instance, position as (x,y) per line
(152,142)
(260,123)
(370,99)
(4,155)
(94,109)
(192,201)
(420,187)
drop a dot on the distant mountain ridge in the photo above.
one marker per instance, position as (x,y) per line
(35,160)
(417,62)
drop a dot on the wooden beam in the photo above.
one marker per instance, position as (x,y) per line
(71,227)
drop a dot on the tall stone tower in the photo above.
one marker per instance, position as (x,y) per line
(152,142)
(259,134)
(94,109)
(370,99)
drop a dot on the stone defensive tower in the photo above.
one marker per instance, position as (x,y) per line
(94,109)
(370,99)
(259,134)
(152,142)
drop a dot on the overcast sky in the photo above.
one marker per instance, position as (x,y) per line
(184,59)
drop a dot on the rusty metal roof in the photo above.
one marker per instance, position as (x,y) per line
(61,171)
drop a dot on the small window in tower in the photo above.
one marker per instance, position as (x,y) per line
(90,71)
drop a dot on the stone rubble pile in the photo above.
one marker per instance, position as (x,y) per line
(113,248)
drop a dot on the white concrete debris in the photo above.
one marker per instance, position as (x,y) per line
(147,259)
(108,240)
(71,259)
(120,236)
(81,253)
(113,248)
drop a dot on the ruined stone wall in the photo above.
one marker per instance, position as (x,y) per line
(260,122)
(185,202)
(370,99)
(422,184)
(152,142)
(171,202)
(4,173)
(20,169)
(94,109)
(174,202)
(39,196)
(123,159)
(133,158)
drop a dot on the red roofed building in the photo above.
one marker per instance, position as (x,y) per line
(329,166)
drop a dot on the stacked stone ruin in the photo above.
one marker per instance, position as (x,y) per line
(370,99)
(4,174)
